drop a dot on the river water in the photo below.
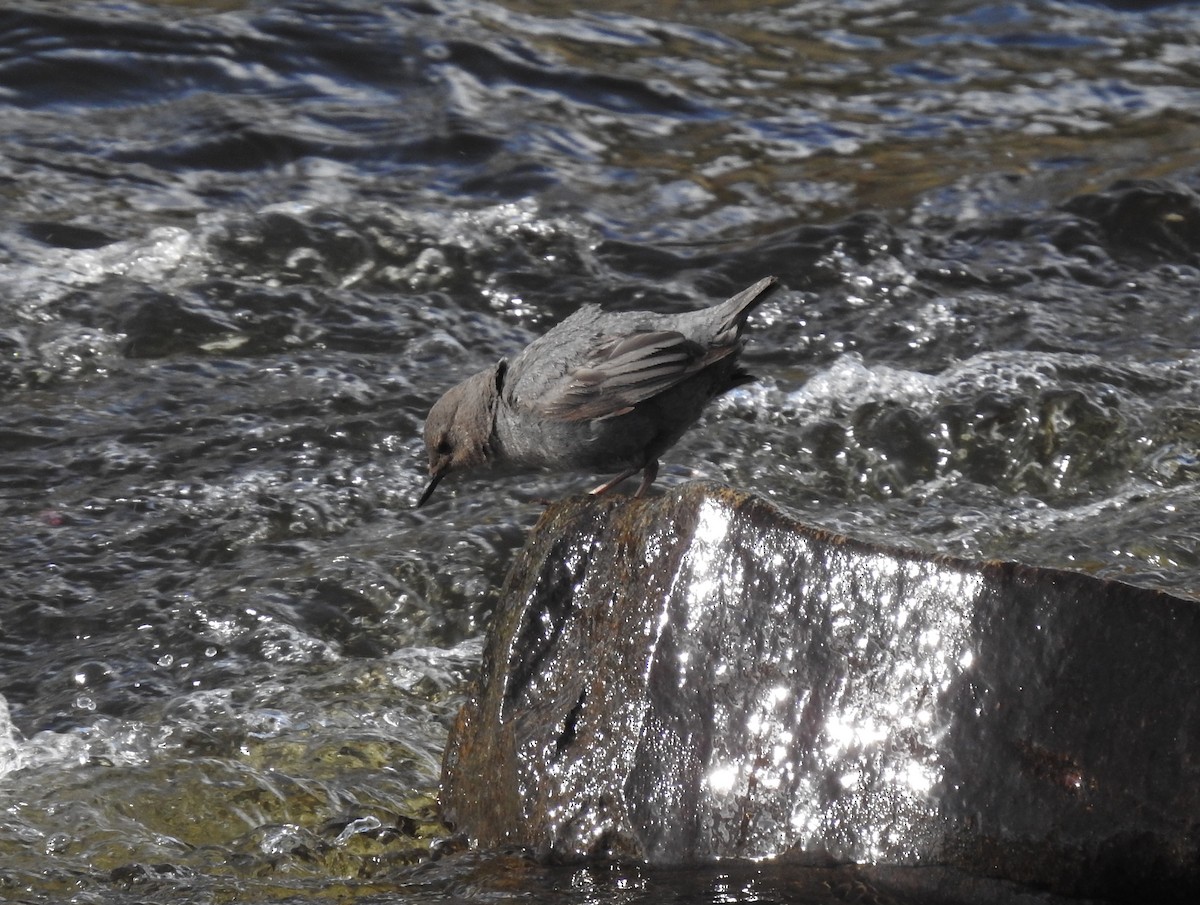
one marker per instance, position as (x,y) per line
(244,246)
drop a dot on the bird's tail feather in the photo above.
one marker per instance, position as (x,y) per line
(737,308)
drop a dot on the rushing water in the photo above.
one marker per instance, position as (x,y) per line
(245,245)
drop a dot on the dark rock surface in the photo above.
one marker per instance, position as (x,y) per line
(698,676)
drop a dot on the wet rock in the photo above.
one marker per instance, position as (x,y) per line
(698,677)
(1145,218)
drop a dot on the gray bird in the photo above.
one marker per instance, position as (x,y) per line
(602,391)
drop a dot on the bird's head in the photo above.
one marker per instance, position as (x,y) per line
(458,429)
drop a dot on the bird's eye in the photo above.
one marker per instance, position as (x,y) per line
(444,447)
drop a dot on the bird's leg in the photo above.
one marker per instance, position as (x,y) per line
(649,473)
(609,485)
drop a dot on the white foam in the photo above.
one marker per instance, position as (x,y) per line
(44,748)
(107,740)
(165,252)
(848,383)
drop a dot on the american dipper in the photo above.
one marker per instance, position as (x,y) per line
(604,391)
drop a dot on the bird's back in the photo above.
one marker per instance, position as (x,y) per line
(580,339)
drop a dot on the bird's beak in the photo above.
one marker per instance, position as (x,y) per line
(433,482)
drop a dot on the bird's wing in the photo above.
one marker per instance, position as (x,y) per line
(625,370)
